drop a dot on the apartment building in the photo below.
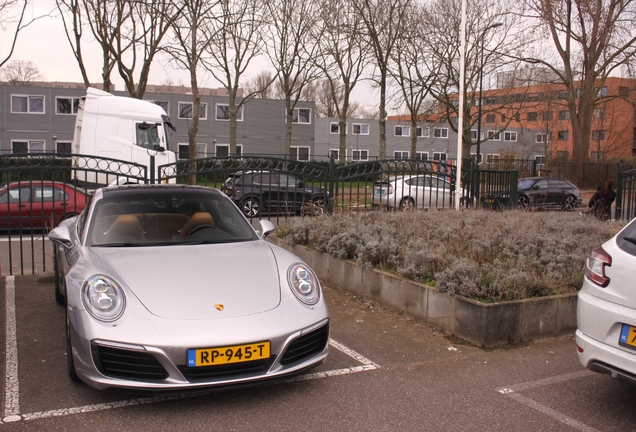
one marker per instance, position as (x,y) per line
(542,110)
(41,117)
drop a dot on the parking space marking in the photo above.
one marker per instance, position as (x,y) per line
(11,384)
(12,388)
(513,392)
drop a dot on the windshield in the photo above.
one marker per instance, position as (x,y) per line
(164,216)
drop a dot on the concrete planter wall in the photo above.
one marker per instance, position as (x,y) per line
(485,325)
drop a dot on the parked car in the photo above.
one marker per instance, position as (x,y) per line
(537,192)
(408,192)
(547,193)
(606,308)
(256,192)
(168,287)
(39,204)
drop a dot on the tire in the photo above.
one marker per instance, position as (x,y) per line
(70,363)
(523,202)
(251,207)
(407,204)
(59,279)
(570,203)
(315,207)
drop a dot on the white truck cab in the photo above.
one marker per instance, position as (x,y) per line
(120,128)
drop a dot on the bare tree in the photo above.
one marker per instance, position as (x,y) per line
(413,71)
(342,57)
(383,20)
(100,17)
(187,42)
(592,39)
(441,20)
(13,18)
(261,85)
(20,72)
(236,39)
(291,48)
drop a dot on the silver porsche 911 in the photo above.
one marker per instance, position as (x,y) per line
(168,287)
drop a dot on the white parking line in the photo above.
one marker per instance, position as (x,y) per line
(513,392)
(12,388)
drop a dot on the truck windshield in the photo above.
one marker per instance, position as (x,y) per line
(148,135)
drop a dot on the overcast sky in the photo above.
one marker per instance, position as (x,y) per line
(44,43)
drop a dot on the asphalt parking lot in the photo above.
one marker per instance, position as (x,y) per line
(385,372)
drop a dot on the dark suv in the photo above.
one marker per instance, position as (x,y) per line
(267,191)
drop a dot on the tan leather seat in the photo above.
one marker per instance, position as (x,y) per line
(197,219)
(126,228)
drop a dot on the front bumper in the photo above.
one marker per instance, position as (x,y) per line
(159,363)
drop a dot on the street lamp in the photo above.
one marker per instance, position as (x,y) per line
(481,80)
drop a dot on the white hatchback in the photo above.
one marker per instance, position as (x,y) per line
(606,308)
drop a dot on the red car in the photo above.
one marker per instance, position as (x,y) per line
(39,204)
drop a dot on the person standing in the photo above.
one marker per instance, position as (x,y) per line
(601,202)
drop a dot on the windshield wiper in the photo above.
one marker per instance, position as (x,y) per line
(123,244)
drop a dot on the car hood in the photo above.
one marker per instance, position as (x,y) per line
(194,282)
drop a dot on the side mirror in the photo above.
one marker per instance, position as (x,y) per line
(300,185)
(267,227)
(61,235)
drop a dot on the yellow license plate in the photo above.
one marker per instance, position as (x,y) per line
(628,336)
(226,355)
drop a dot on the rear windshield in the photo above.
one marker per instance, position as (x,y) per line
(626,240)
(166,216)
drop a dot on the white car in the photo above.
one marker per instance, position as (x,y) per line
(408,192)
(606,308)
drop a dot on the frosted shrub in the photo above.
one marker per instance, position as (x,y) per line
(489,256)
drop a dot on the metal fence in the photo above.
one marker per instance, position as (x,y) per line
(43,189)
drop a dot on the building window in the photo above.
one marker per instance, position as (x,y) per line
(541,138)
(547,116)
(562,155)
(184,151)
(599,113)
(185,110)
(66,105)
(301,116)
(27,104)
(540,159)
(400,155)
(404,131)
(223,112)
(422,132)
(439,156)
(597,156)
(510,136)
(623,91)
(30,146)
(223,150)
(334,128)
(473,134)
(494,135)
(532,116)
(440,132)
(360,129)
(564,115)
(563,135)
(490,158)
(421,156)
(598,135)
(603,91)
(63,147)
(490,118)
(162,104)
(299,153)
(360,155)
(335,153)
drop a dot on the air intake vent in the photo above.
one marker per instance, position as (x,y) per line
(306,346)
(127,364)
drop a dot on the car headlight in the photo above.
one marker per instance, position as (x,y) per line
(304,283)
(103,298)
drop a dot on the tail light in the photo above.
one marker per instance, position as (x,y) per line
(595,265)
